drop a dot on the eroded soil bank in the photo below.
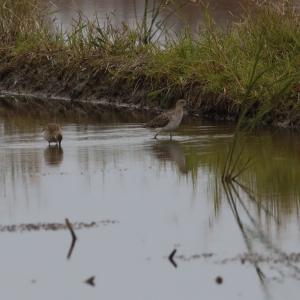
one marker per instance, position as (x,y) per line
(248,70)
(58,107)
(30,87)
(31,84)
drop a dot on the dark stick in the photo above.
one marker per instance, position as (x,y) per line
(74,237)
(90,281)
(171,258)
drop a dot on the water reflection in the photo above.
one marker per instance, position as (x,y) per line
(164,193)
(170,150)
(272,178)
(53,155)
(270,185)
(257,238)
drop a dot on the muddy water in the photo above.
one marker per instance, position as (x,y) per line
(133,200)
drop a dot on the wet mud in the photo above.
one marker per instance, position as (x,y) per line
(39,105)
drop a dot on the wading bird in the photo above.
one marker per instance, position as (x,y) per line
(169,120)
(297,90)
(53,134)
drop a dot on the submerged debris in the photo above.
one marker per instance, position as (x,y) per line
(245,257)
(219,280)
(90,281)
(195,256)
(54,226)
(74,237)
(171,258)
(284,264)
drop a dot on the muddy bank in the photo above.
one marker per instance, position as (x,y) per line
(33,84)
(37,86)
(44,83)
(49,107)
(54,226)
(245,71)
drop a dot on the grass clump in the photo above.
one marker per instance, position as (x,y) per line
(23,21)
(250,68)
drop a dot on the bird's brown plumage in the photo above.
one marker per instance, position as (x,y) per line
(169,120)
(161,120)
(53,133)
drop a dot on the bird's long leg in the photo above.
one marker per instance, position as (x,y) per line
(170,135)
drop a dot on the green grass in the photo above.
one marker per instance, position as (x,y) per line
(251,67)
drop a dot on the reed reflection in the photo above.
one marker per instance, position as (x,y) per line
(257,238)
(269,187)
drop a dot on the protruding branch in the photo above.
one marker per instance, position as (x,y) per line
(74,237)
(171,258)
(90,281)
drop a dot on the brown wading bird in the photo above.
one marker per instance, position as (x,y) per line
(169,120)
(297,90)
(53,134)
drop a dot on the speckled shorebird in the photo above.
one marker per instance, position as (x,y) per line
(53,133)
(169,120)
(297,90)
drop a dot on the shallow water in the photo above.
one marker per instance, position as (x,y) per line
(133,200)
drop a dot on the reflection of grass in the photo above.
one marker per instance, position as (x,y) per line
(233,197)
(253,233)
(248,70)
(273,177)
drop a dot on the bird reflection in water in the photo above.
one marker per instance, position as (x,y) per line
(53,155)
(170,150)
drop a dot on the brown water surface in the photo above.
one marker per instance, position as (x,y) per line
(133,200)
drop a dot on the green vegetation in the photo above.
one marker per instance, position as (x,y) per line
(250,69)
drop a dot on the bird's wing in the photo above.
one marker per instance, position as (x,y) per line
(52,127)
(161,120)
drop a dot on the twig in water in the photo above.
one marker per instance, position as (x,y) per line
(74,237)
(219,280)
(90,281)
(171,258)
